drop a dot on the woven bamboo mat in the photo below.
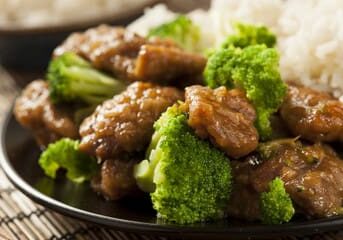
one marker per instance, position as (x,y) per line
(20,218)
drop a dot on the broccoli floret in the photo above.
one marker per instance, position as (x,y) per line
(72,78)
(254,69)
(65,154)
(182,30)
(276,205)
(219,67)
(189,180)
(247,35)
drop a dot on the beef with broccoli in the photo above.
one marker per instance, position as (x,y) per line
(239,144)
(188,178)
(132,57)
(312,176)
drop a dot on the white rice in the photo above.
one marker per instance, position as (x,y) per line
(310,34)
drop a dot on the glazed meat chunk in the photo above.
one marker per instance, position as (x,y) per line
(312,175)
(124,124)
(132,57)
(116,180)
(34,110)
(225,117)
(313,115)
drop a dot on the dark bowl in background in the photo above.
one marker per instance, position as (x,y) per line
(31,48)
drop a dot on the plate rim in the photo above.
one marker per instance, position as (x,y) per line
(306,227)
(78,24)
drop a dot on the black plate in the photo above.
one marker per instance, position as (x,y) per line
(18,158)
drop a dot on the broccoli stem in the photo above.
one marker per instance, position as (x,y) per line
(145,172)
(91,85)
(144,176)
(72,79)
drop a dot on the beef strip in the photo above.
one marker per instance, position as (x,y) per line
(48,122)
(313,115)
(132,57)
(116,179)
(225,117)
(312,175)
(124,124)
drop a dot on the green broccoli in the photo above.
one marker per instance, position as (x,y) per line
(248,35)
(276,205)
(254,69)
(72,78)
(182,30)
(219,67)
(65,154)
(189,180)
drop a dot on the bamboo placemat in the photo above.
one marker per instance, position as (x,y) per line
(22,219)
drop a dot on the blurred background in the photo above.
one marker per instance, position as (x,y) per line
(31,29)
